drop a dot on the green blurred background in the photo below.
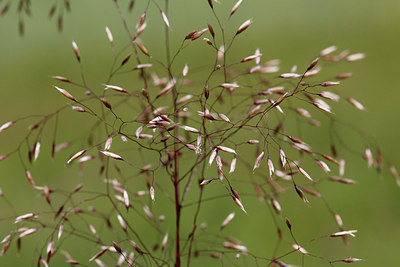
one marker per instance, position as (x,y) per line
(291,30)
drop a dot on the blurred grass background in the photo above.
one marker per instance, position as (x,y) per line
(293,31)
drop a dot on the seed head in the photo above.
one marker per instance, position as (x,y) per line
(283,157)
(92,229)
(149,214)
(305,173)
(24,218)
(121,222)
(141,20)
(126,59)
(368,156)
(97,255)
(227,220)
(355,57)
(319,103)
(233,165)
(395,174)
(288,224)
(109,35)
(60,78)
(342,233)
(211,29)
(77,155)
(115,88)
(338,220)
(323,165)
(327,84)
(312,64)
(244,26)
(164,241)
(205,182)
(270,167)
(152,195)
(76,51)
(224,117)
(198,34)
(226,149)
(60,231)
(341,180)
(328,51)
(27,232)
(164,17)
(344,75)
(235,7)
(300,193)
(289,75)
(79,109)
(299,248)
(239,203)
(30,178)
(144,51)
(342,164)
(111,155)
(140,30)
(190,129)
(303,112)
(355,103)
(211,4)
(5,247)
(329,95)
(276,206)
(126,199)
(6,125)
(65,93)
(136,247)
(143,66)
(351,260)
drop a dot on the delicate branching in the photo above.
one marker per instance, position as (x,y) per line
(177,138)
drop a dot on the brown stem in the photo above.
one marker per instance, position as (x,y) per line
(176,154)
(178,212)
(176,188)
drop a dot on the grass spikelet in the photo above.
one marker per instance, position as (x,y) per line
(164,18)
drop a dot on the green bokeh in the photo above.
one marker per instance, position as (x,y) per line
(291,30)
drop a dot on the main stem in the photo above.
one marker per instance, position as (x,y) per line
(177,209)
(176,188)
(176,154)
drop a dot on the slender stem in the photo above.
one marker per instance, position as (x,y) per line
(176,154)
(177,210)
(167,47)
